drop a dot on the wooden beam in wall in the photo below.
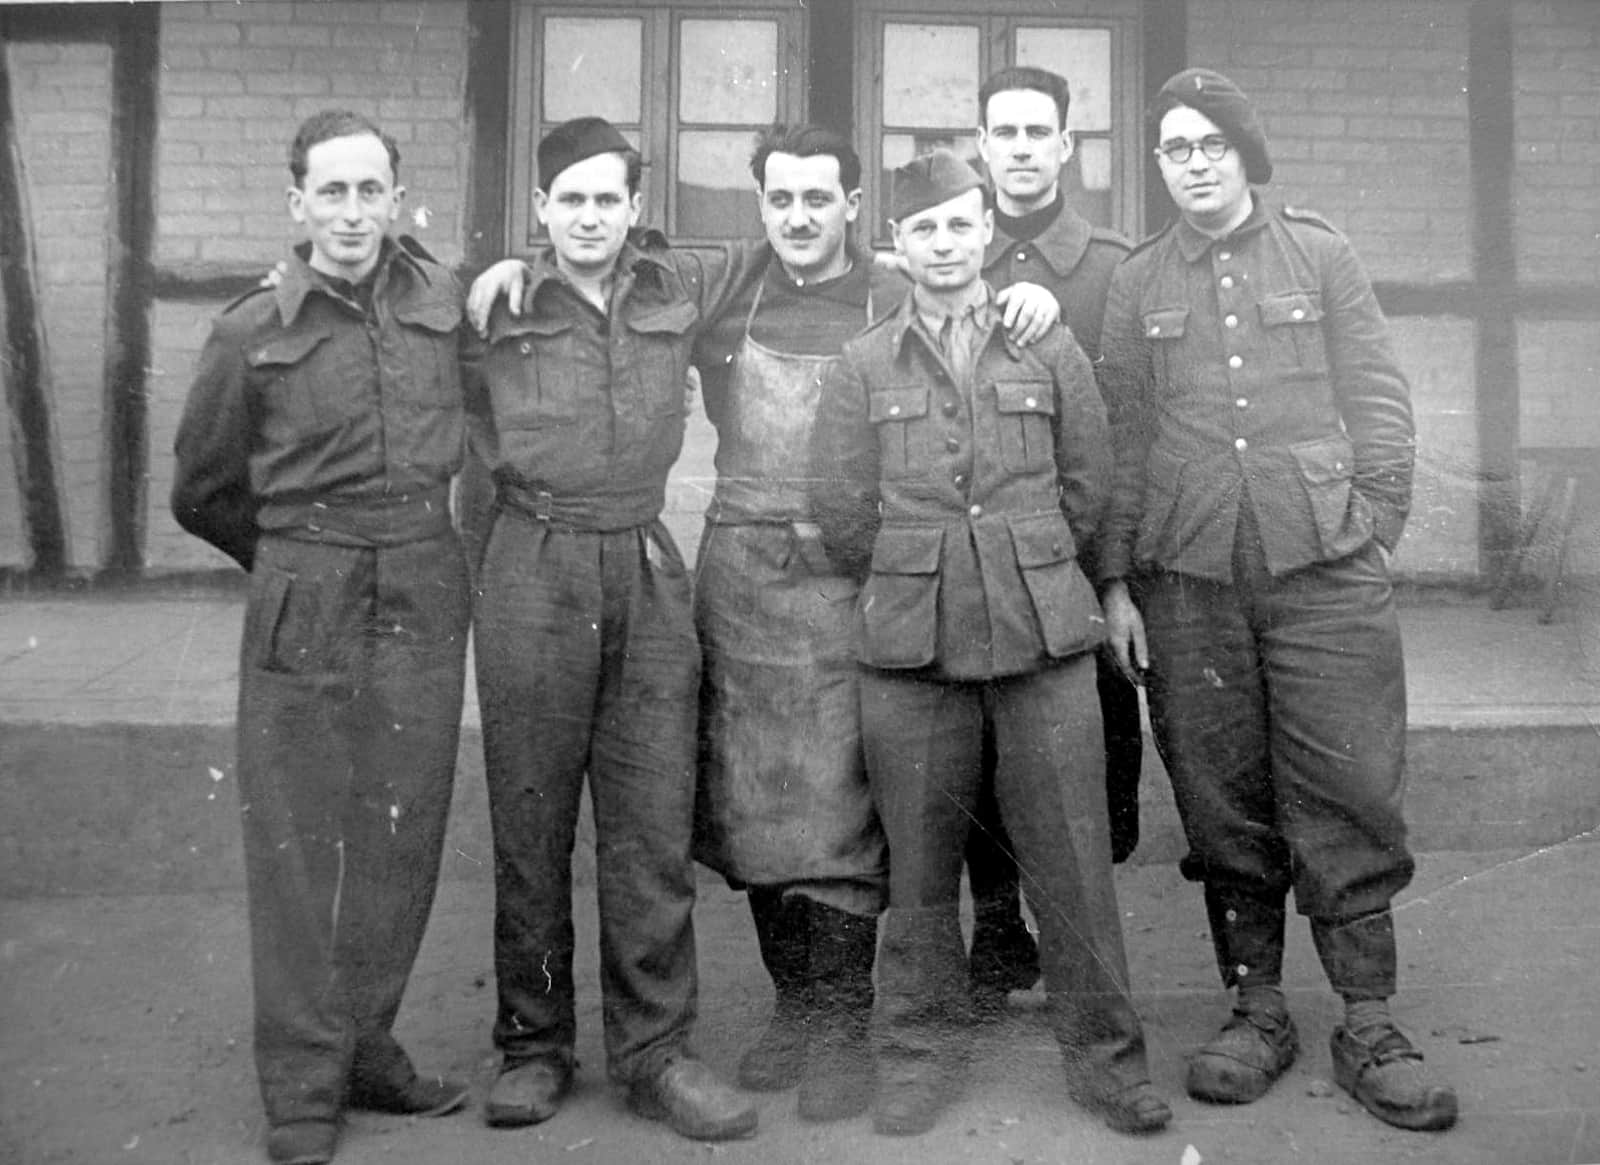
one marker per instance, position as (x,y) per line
(26,377)
(1491,110)
(135,79)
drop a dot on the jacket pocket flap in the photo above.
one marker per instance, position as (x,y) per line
(897,404)
(439,315)
(1042,539)
(1294,307)
(1025,396)
(1327,459)
(285,350)
(672,319)
(1165,323)
(907,549)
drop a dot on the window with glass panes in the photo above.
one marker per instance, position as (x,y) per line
(689,86)
(925,61)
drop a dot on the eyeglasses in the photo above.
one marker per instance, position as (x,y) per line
(1213,146)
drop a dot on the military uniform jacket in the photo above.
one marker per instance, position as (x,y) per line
(583,411)
(962,505)
(1251,370)
(1069,258)
(303,397)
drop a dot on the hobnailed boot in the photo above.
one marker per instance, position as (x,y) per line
(1259,1042)
(837,1080)
(775,1060)
(1372,1059)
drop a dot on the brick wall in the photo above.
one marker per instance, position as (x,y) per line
(1365,109)
(236,80)
(1557,183)
(62,98)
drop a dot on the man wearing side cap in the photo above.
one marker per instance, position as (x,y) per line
(587,661)
(956,474)
(1264,450)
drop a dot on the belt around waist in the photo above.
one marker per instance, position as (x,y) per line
(367,522)
(599,515)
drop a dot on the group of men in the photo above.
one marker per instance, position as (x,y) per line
(934,507)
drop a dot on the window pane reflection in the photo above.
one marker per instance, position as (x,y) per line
(593,67)
(715,195)
(728,70)
(1083,57)
(930,74)
(1086,181)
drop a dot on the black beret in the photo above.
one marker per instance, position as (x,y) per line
(573,141)
(1224,103)
(928,180)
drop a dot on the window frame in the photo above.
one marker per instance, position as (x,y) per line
(660,123)
(998,23)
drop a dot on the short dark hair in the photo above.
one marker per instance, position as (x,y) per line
(330,124)
(1052,85)
(807,141)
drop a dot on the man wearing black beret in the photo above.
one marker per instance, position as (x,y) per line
(957,474)
(1264,448)
(587,662)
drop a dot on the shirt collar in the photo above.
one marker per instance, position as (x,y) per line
(1061,244)
(301,279)
(1192,243)
(908,318)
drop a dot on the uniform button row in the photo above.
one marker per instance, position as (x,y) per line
(1230,321)
(950,408)
(1241,444)
(959,478)
(1227,281)
(952,445)
(1235,361)
(976,511)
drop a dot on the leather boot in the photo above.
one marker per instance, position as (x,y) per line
(837,1079)
(1374,1061)
(774,1061)
(1259,1042)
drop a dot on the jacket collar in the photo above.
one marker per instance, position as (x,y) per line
(301,279)
(904,322)
(1061,244)
(639,256)
(1192,243)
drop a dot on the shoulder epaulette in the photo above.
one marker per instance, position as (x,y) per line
(1301,214)
(258,289)
(1149,239)
(1101,235)
(415,249)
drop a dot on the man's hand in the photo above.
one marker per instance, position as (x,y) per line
(505,277)
(1125,632)
(1028,312)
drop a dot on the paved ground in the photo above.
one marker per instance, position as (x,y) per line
(123,1015)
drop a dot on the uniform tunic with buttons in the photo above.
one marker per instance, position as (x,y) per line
(1264,447)
(316,449)
(963,507)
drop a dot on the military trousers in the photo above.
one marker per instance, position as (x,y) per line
(1279,709)
(587,665)
(924,740)
(350,682)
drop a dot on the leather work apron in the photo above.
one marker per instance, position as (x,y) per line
(783,796)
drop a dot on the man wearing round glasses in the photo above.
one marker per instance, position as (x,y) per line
(1264,448)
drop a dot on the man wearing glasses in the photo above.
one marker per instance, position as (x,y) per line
(1264,448)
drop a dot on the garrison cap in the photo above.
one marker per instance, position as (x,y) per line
(1224,103)
(928,180)
(573,141)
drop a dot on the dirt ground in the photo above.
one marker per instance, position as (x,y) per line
(126,1038)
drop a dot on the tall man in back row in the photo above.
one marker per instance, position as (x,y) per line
(1264,450)
(1039,238)
(316,449)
